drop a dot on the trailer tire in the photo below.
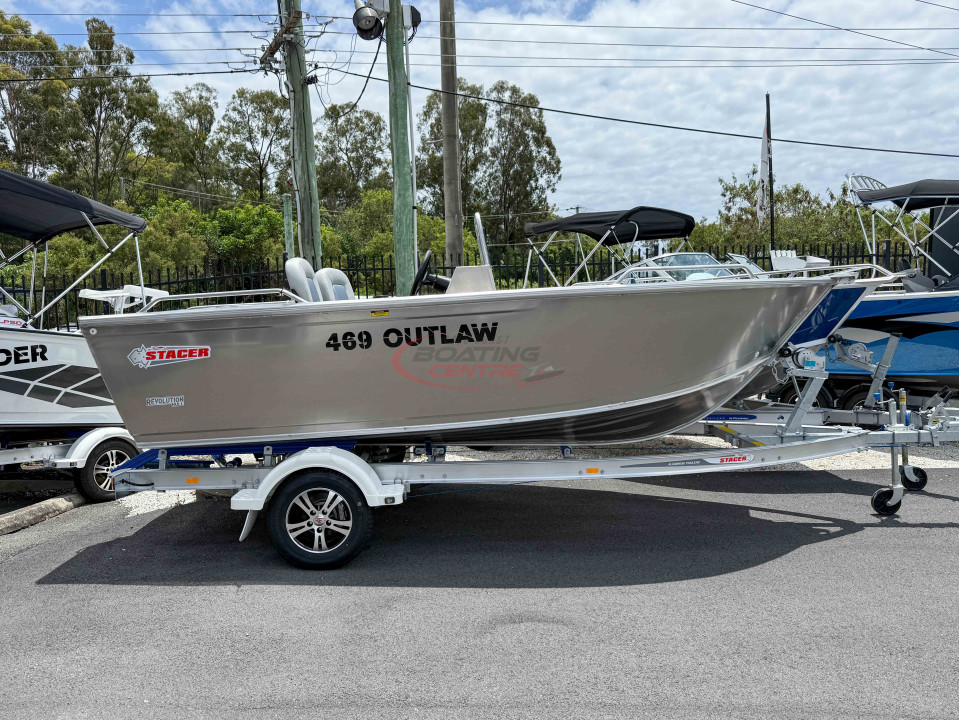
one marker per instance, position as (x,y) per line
(307,517)
(787,395)
(93,479)
(855,396)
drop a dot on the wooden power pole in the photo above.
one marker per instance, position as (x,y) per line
(290,40)
(403,249)
(452,193)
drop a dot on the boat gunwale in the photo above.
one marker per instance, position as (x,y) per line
(407,302)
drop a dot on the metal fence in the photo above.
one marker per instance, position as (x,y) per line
(374,276)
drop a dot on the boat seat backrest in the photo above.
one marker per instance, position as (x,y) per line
(338,284)
(303,280)
(917,283)
(785,260)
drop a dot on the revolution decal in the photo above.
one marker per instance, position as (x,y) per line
(168,400)
(144,357)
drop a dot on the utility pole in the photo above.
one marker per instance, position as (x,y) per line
(403,249)
(772,194)
(452,197)
(290,40)
(288,225)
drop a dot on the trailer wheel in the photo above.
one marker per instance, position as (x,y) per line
(855,397)
(913,478)
(94,480)
(880,500)
(319,520)
(787,395)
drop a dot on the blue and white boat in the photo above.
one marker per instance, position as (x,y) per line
(925,308)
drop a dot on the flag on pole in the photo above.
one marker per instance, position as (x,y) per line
(762,195)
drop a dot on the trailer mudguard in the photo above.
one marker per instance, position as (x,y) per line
(321,458)
(79,452)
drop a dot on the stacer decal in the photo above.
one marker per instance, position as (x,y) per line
(144,357)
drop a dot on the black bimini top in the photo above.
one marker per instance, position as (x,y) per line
(640,223)
(919,195)
(35,211)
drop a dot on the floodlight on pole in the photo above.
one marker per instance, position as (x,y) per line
(367,21)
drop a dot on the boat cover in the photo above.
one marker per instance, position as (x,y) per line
(640,223)
(921,195)
(35,211)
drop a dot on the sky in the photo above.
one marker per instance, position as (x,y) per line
(616,71)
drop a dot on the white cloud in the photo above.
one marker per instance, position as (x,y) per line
(613,165)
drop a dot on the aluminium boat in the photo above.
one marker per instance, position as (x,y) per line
(584,364)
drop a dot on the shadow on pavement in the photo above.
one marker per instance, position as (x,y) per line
(770,483)
(523,537)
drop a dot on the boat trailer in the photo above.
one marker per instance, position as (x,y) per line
(317,496)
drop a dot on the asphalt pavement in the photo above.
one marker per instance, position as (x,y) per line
(20,489)
(748,595)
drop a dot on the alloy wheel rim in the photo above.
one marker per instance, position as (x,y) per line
(105,465)
(319,520)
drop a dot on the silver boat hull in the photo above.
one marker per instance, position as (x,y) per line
(588,364)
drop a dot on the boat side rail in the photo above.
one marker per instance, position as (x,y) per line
(659,273)
(874,269)
(222,294)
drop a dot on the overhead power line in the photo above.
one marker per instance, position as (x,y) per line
(836,27)
(696,46)
(691,27)
(164,14)
(564,62)
(524,41)
(143,50)
(201,195)
(169,64)
(664,126)
(576,58)
(495,23)
(744,64)
(81,78)
(947,7)
(147,32)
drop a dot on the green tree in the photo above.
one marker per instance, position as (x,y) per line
(509,162)
(802,217)
(523,167)
(111,112)
(184,134)
(31,113)
(367,227)
(255,131)
(248,233)
(353,156)
(474,150)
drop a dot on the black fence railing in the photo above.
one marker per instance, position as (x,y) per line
(373,276)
